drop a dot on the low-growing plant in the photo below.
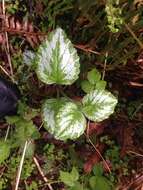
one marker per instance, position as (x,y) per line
(96,180)
(57,62)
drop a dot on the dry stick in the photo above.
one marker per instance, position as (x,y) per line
(20,166)
(41,172)
(134,36)
(7,132)
(135,153)
(104,67)
(98,152)
(87,49)
(45,34)
(5,72)
(7,43)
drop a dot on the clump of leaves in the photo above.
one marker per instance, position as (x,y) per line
(94,81)
(114,15)
(57,62)
(4,151)
(69,178)
(25,129)
(98,181)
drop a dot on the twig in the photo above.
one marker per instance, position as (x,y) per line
(42,173)
(20,166)
(6,72)
(44,34)
(137,154)
(104,67)
(7,132)
(134,36)
(87,49)
(7,43)
(98,152)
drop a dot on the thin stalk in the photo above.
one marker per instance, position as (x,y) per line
(135,153)
(134,35)
(7,43)
(98,152)
(104,67)
(20,166)
(42,173)
(5,72)
(7,132)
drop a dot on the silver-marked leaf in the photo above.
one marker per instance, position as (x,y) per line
(98,105)
(57,60)
(50,109)
(63,119)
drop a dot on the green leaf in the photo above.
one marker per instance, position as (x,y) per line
(98,170)
(98,105)
(30,150)
(4,151)
(69,178)
(12,119)
(77,186)
(57,60)
(101,85)
(63,119)
(87,86)
(24,130)
(93,76)
(99,183)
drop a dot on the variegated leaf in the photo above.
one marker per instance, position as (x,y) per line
(99,105)
(63,119)
(57,60)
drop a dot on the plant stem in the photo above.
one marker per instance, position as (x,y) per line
(104,67)
(7,132)
(42,173)
(6,72)
(7,43)
(20,166)
(134,35)
(99,154)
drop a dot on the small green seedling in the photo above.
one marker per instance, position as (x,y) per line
(94,81)
(98,181)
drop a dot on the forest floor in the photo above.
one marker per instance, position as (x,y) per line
(110,152)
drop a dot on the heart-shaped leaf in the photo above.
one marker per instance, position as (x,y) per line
(99,105)
(63,119)
(100,183)
(87,86)
(69,178)
(101,85)
(93,76)
(57,60)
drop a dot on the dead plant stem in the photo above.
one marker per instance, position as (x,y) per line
(20,166)
(7,43)
(134,36)
(98,152)
(42,173)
